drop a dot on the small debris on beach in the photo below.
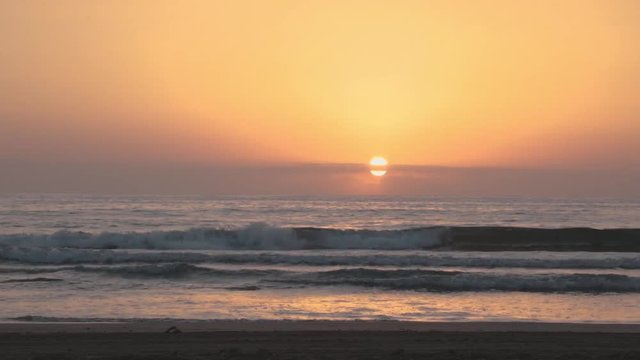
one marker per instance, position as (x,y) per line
(173,330)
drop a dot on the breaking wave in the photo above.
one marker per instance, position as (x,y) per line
(256,236)
(260,236)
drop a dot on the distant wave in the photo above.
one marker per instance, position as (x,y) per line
(260,236)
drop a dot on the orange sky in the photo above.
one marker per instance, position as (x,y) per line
(458,83)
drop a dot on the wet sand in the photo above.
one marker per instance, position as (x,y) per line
(318,340)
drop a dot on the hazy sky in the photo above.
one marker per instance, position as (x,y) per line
(222,84)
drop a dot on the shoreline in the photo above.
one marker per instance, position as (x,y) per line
(205,326)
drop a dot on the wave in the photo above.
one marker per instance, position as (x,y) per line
(172,271)
(64,256)
(23,270)
(169,271)
(260,236)
(29,280)
(429,280)
(541,260)
(390,279)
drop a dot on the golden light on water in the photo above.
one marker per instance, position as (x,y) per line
(378,166)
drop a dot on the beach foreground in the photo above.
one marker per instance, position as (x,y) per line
(318,340)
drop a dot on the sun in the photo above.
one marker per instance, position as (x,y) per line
(378,161)
(378,166)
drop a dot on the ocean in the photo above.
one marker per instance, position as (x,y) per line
(108,258)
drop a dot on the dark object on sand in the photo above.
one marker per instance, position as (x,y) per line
(173,330)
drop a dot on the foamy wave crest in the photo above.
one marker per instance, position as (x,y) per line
(428,280)
(258,236)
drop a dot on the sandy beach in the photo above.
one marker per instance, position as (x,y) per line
(319,340)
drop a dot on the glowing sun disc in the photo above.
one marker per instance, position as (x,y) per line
(378,161)
(378,166)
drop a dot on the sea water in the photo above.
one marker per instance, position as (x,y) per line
(88,257)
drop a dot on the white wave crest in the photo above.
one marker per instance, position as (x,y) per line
(257,236)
